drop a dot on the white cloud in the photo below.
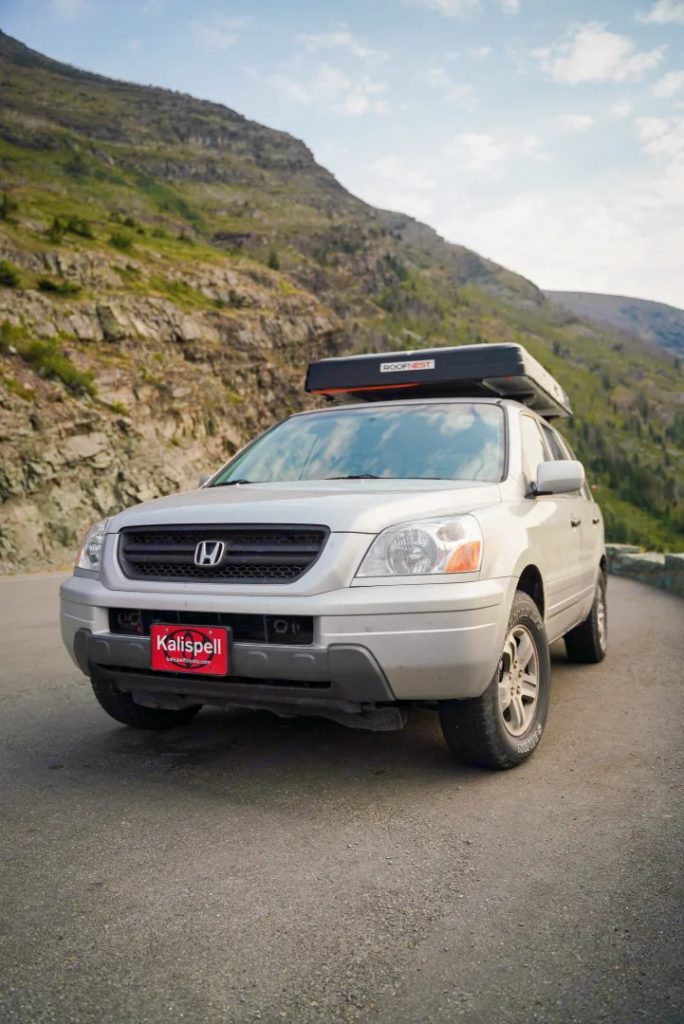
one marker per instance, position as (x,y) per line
(621,109)
(665,12)
(487,154)
(463,8)
(68,8)
(393,183)
(438,77)
(663,139)
(593,54)
(340,38)
(463,96)
(584,240)
(532,146)
(133,44)
(480,52)
(458,93)
(662,136)
(478,151)
(576,122)
(219,33)
(333,89)
(449,8)
(394,169)
(669,84)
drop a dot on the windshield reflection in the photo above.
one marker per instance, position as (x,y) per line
(457,441)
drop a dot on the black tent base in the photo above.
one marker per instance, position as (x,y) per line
(503,371)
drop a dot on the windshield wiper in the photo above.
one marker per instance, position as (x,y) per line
(355,476)
(231,483)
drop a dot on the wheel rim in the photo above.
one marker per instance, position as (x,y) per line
(601,619)
(518,681)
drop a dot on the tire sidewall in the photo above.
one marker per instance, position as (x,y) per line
(601,596)
(525,613)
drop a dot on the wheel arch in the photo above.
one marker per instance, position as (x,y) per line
(531,583)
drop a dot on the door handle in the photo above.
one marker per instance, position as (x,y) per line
(574,521)
(596,520)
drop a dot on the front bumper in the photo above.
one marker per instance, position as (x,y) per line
(375,644)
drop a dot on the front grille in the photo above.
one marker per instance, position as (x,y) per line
(252,554)
(254,629)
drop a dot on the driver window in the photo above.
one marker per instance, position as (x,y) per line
(533,447)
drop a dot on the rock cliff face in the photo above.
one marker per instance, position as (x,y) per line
(176,391)
(167,270)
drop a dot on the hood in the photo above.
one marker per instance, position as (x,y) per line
(345,506)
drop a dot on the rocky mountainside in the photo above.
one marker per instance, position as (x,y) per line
(167,270)
(653,322)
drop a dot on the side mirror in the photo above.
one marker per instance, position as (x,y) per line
(559,477)
(205,478)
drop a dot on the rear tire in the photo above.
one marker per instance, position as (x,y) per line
(121,706)
(503,727)
(587,643)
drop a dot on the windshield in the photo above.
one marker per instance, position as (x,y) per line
(457,441)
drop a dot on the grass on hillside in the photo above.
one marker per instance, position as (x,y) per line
(47,359)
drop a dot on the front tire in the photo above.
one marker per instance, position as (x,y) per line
(503,727)
(121,706)
(587,643)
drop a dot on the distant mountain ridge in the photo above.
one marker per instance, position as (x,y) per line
(168,268)
(654,322)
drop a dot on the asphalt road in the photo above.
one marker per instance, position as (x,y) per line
(251,869)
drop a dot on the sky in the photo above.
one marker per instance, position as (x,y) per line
(548,135)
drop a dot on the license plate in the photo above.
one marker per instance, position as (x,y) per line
(198,650)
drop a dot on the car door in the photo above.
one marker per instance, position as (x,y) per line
(590,530)
(554,525)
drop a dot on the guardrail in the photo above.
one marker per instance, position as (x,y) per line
(664,571)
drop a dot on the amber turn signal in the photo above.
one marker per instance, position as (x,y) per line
(466,558)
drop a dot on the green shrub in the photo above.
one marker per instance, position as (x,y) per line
(9,275)
(46,359)
(80,226)
(47,284)
(124,219)
(64,224)
(17,388)
(121,240)
(8,206)
(76,166)
(129,273)
(57,230)
(179,291)
(273,261)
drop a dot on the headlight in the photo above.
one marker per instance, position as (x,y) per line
(91,549)
(426,547)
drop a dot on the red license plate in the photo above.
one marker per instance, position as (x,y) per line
(200,650)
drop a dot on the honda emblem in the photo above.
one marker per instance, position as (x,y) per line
(209,553)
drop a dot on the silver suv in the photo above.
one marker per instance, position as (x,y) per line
(356,560)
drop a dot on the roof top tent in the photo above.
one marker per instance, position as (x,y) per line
(503,371)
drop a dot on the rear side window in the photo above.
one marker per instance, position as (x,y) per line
(569,454)
(533,447)
(554,443)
